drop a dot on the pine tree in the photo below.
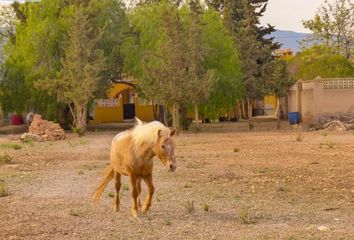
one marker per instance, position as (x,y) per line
(200,80)
(255,49)
(82,63)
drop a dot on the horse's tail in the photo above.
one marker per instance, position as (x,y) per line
(99,190)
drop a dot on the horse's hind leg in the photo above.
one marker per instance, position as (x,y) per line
(138,188)
(117,185)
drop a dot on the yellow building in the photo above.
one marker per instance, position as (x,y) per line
(270,103)
(122,104)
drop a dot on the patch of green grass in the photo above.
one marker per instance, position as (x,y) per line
(291,238)
(245,217)
(75,212)
(14,146)
(324,134)
(125,187)
(89,167)
(167,222)
(111,195)
(5,158)
(3,189)
(236,150)
(329,145)
(189,205)
(77,142)
(283,189)
(205,207)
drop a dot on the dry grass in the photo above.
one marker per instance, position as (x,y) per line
(14,146)
(5,158)
(274,188)
(3,189)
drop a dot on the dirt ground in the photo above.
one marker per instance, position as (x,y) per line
(230,183)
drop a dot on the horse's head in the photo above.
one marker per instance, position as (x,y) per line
(164,150)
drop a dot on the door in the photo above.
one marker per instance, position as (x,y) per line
(128,111)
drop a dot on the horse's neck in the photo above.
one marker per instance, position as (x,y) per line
(144,152)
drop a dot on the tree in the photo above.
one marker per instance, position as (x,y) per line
(223,58)
(109,16)
(200,79)
(32,54)
(254,48)
(167,69)
(82,64)
(320,61)
(280,82)
(39,47)
(333,26)
(168,56)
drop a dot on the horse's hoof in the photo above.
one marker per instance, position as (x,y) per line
(116,208)
(134,213)
(145,211)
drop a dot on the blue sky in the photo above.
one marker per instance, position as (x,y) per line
(284,14)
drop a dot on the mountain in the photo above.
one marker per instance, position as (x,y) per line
(289,39)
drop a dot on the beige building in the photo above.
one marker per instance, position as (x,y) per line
(322,98)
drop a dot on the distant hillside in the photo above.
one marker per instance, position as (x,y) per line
(289,39)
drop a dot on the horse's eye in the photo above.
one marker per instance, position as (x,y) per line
(163,146)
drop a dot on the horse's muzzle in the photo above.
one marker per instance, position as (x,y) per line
(172,167)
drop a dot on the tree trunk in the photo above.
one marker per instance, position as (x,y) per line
(155,108)
(278,113)
(237,111)
(175,117)
(243,114)
(196,116)
(249,108)
(286,109)
(80,118)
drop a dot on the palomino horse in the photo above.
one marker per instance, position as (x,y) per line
(132,153)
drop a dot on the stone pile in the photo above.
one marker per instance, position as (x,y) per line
(46,130)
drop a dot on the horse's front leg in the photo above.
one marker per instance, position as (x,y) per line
(151,189)
(138,187)
(133,182)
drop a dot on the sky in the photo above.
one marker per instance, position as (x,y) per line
(283,14)
(288,14)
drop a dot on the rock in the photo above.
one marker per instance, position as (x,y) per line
(48,131)
(31,137)
(322,228)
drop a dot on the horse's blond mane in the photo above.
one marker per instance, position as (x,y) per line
(147,133)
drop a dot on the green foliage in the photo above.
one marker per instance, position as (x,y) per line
(320,61)
(40,46)
(254,49)
(5,158)
(31,56)
(280,80)
(82,63)
(333,27)
(204,45)
(14,146)
(223,58)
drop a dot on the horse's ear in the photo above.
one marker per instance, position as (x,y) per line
(172,131)
(138,121)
